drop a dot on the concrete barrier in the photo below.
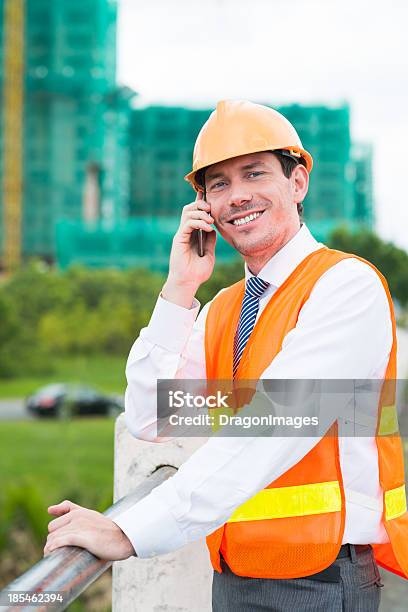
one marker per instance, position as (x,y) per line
(176,582)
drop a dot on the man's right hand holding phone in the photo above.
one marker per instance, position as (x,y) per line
(187,270)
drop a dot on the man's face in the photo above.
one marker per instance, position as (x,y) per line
(255,185)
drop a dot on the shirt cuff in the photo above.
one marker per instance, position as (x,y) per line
(151,527)
(171,325)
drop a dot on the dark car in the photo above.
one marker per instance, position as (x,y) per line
(64,400)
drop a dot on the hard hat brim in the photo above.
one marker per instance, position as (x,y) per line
(190,177)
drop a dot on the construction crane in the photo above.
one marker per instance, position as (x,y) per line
(12,119)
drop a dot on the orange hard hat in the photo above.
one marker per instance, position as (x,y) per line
(239,127)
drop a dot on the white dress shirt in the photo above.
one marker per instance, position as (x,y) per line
(343,331)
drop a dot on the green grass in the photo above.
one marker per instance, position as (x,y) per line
(101,371)
(43,462)
(59,459)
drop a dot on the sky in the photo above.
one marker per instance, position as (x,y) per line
(195,52)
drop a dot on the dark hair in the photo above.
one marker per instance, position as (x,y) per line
(287,162)
(200,177)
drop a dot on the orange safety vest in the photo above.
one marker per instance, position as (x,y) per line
(294,527)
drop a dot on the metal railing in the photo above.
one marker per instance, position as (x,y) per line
(70,570)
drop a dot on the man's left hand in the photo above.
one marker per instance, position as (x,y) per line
(78,526)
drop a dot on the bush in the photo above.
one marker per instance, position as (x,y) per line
(47,314)
(388,258)
(20,352)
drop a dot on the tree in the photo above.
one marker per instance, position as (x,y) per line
(390,260)
(19,353)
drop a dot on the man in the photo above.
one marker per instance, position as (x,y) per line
(293,522)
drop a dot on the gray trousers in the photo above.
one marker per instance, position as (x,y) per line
(357,591)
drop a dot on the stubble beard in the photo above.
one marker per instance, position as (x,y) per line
(248,247)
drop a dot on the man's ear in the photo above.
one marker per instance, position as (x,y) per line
(300,182)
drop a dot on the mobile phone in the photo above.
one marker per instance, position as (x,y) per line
(200,240)
(200,243)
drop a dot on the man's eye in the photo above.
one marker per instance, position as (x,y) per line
(218,185)
(255,173)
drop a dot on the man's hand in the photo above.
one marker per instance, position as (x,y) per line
(78,526)
(187,270)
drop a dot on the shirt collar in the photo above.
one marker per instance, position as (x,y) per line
(278,268)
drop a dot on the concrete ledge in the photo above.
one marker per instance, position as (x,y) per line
(177,582)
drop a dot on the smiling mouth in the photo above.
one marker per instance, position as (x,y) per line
(247,220)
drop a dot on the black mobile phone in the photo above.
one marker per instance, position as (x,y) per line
(200,243)
(200,240)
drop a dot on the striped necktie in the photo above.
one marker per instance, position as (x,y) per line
(255,287)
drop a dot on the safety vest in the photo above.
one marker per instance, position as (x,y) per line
(294,527)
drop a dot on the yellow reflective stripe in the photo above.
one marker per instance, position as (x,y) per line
(388,421)
(216,413)
(282,502)
(395,502)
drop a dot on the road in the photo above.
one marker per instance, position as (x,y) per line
(13,410)
(394,595)
(402,354)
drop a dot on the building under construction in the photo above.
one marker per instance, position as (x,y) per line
(64,124)
(85,177)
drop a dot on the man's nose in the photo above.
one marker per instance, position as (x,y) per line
(239,195)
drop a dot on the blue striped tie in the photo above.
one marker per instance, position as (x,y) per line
(255,287)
